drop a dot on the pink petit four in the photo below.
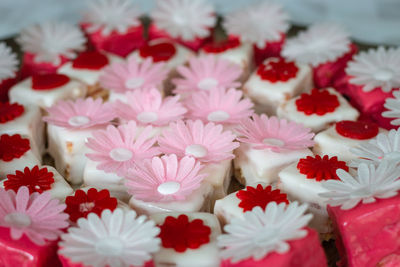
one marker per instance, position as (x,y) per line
(275,237)
(8,70)
(275,81)
(187,239)
(318,109)
(118,238)
(30,226)
(267,146)
(49,45)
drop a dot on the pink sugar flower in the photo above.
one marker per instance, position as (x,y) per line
(275,134)
(219,105)
(164,179)
(118,148)
(205,73)
(121,77)
(38,216)
(80,114)
(205,142)
(147,107)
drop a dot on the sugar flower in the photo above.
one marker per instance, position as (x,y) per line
(262,232)
(258,23)
(8,62)
(116,149)
(205,142)
(370,183)
(118,238)
(393,106)
(35,179)
(121,77)
(376,68)
(206,73)
(274,134)
(164,179)
(79,114)
(37,216)
(50,41)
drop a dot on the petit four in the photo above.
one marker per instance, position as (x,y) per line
(8,70)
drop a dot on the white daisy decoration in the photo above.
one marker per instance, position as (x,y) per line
(51,40)
(370,183)
(186,19)
(111,15)
(8,62)
(118,238)
(376,68)
(258,24)
(393,106)
(262,232)
(319,44)
(385,146)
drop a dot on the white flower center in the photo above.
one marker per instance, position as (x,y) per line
(178,19)
(110,246)
(85,207)
(264,238)
(147,117)
(17,219)
(207,84)
(384,75)
(218,115)
(78,121)
(134,83)
(168,188)
(195,150)
(274,142)
(121,154)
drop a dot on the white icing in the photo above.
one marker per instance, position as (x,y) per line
(17,219)
(121,154)
(77,121)
(197,151)
(147,117)
(168,188)
(218,116)
(29,159)
(134,83)
(219,176)
(207,84)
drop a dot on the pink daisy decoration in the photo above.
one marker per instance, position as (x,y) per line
(118,148)
(205,73)
(219,105)
(205,142)
(37,216)
(165,178)
(147,107)
(79,114)
(121,77)
(274,134)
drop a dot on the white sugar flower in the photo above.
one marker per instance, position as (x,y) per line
(261,232)
(386,146)
(393,106)
(319,44)
(114,239)
(111,15)
(8,62)
(376,68)
(258,24)
(51,40)
(371,182)
(186,19)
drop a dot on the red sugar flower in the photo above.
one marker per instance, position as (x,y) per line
(180,234)
(277,70)
(318,102)
(48,81)
(321,168)
(13,146)
(259,197)
(37,180)
(9,112)
(90,60)
(221,46)
(82,203)
(158,52)
(360,130)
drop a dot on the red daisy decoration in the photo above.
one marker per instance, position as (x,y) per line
(158,52)
(321,168)
(82,203)
(13,146)
(221,46)
(360,130)
(277,70)
(259,197)
(90,60)
(9,112)
(317,102)
(180,234)
(37,180)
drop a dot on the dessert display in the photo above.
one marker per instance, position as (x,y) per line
(190,138)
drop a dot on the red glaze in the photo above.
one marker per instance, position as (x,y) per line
(318,102)
(5,86)
(277,70)
(37,180)
(359,130)
(214,47)
(30,67)
(158,52)
(259,197)
(9,112)
(90,60)
(321,168)
(13,146)
(68,263)
(271,49)
(48,81)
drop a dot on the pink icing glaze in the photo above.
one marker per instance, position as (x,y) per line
(67,263)
(24,253)
(30,67)
(368,235)
(272,49)
(305,252)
